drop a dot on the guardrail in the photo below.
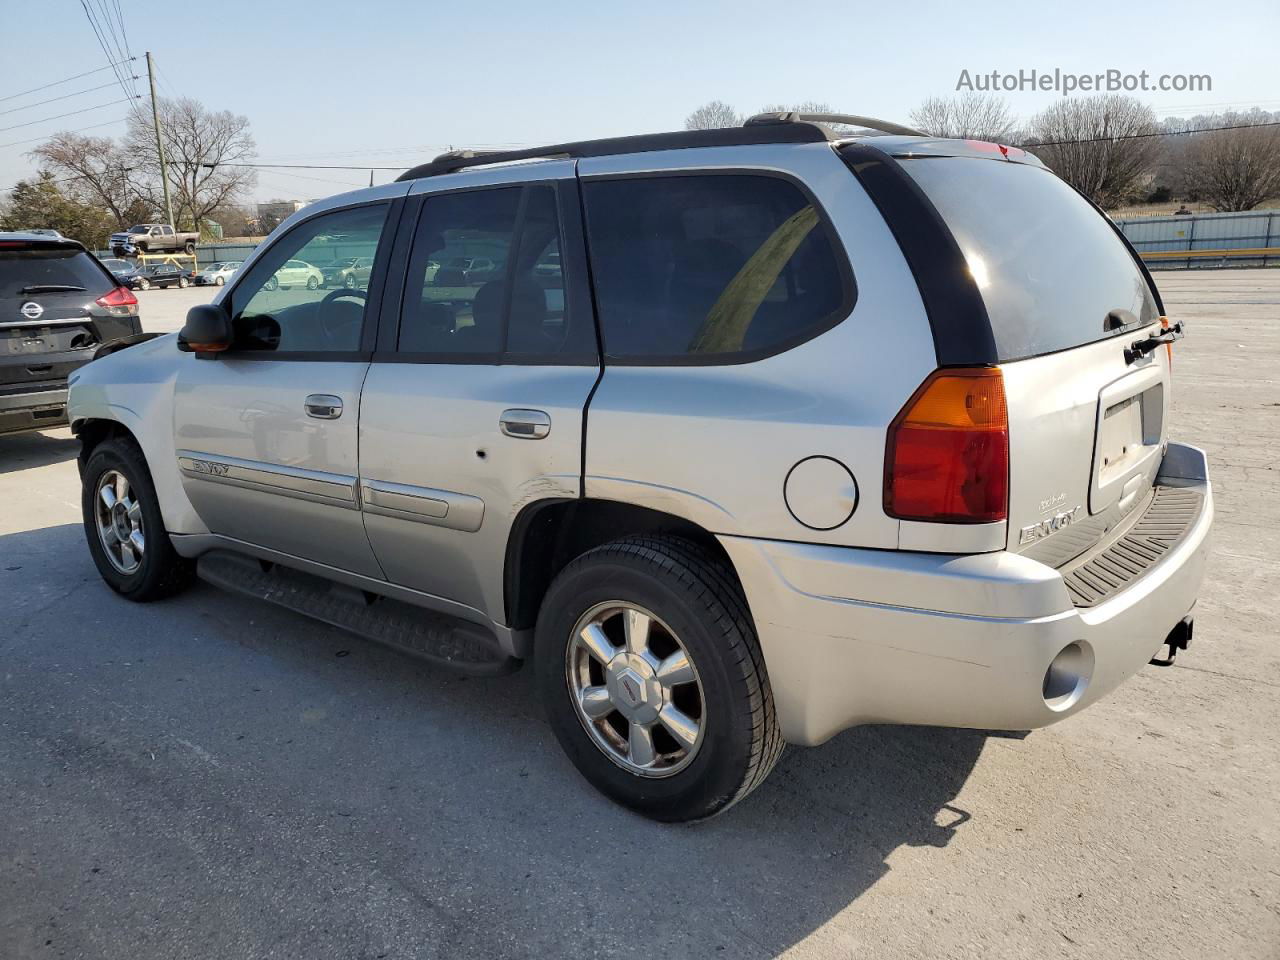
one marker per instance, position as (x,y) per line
(1248,239)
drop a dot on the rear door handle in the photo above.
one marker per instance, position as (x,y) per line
(323,406)
(525,424)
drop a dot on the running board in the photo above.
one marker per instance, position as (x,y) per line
(456,644)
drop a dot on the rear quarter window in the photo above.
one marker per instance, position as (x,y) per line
(711,268)
(35,266)
(1050,268)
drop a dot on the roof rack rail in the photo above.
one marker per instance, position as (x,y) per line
(759,133)
(848,119)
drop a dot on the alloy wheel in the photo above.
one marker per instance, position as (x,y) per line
(120,527)
(635,689)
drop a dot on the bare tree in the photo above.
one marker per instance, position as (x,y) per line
(194,138)
(96,171)
(1233,169)
(968,116)
(806,106)
(1088,141)
(712,115)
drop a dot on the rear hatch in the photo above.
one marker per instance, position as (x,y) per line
(1065,298)
(50,317)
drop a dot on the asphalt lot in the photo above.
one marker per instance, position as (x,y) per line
(212,777)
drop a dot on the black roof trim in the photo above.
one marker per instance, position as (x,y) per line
(760,133)
(957,313)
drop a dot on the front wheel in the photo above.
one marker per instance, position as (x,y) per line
(652,678)
(219,281)
(124,527)
(272,283)
(144,284)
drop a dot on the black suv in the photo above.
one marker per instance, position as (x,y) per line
(58,306)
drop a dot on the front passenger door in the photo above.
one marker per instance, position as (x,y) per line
(266,434)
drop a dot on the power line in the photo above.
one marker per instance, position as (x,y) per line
(65,96)
(92,126)
(87,73)
(1146,136)
(72,113)
(299,166)
(111,58)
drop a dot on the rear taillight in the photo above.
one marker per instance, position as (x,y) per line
(947,459)
(120,302)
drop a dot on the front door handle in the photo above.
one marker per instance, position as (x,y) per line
(323,406)
(525,424)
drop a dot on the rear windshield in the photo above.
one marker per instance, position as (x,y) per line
(1052,271)
(35,267)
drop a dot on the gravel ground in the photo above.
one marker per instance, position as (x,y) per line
(212,777)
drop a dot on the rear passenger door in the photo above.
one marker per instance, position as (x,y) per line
(473,406)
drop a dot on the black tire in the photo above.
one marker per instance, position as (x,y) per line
(697,596)
(162,572)
(312,283)
(144,284)
(189,247)
(182,283)
(219,281)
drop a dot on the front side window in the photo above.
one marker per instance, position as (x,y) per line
(284,303)
(478,279)
(710,267)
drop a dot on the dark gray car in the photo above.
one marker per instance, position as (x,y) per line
(58,306)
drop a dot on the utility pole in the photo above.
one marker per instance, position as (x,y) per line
(155,119)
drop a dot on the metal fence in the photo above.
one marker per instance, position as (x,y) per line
(1250,239)
(207,253)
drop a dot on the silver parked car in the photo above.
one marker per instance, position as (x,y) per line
(216,274)
(804,431)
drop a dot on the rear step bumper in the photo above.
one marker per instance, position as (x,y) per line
(990,641)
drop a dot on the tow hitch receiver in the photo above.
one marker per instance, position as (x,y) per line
(1179,639)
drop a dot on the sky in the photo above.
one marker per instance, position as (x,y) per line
(393,83)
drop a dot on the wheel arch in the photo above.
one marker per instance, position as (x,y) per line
(548,534)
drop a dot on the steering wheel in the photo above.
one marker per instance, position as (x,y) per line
(332,321)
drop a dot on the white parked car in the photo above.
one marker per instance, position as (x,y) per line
(216,274)
(295,273)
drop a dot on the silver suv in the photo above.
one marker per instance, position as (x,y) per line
(757,434)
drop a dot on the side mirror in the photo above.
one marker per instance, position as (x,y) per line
(207,331)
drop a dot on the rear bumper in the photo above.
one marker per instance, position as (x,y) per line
(33,410)
(865,636)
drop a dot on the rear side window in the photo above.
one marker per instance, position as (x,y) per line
(1051,270)
(35,267)
(485,281)
(711,268)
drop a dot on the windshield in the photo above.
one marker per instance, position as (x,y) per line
(1051,269)
(50,267)
(141,229)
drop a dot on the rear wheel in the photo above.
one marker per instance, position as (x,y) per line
(189,247)
(651,675)
(312,283)
(124,528)
(144,284)
(182,282)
